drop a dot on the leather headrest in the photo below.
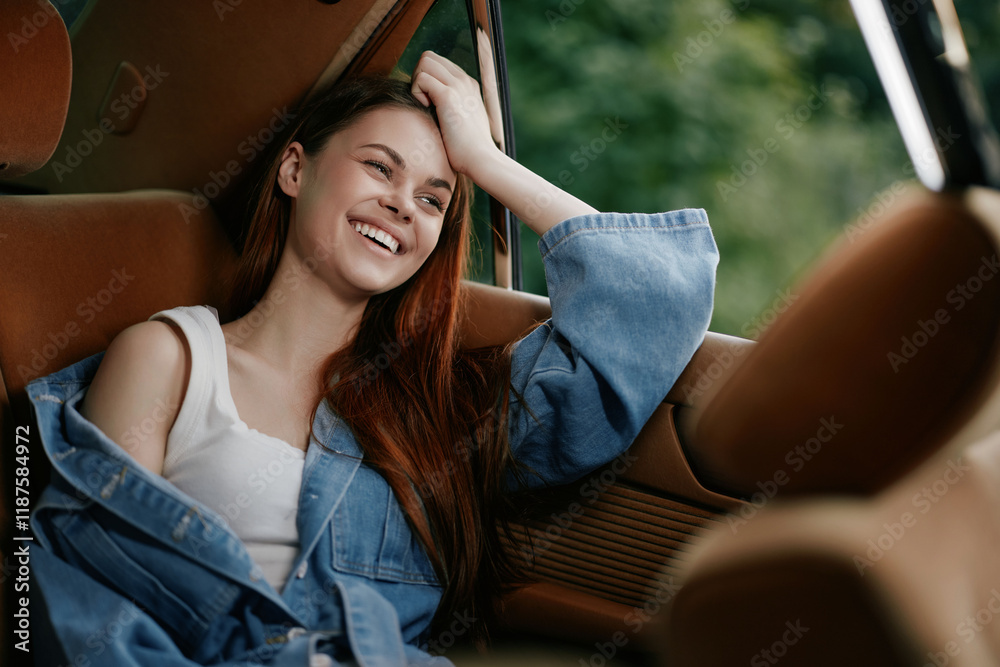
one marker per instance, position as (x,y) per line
(37,68)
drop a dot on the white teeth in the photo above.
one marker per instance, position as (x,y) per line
(378,235)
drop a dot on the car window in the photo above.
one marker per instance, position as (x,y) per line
(981,28)
(446,30)
(71,10)
(767,113)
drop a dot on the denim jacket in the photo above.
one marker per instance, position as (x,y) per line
(128,570)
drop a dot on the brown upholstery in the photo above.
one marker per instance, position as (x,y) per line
(34,88)
(80,268)
(219,78)
(880,360)
(907,577)
(908,573)
(77,269)
(495,316)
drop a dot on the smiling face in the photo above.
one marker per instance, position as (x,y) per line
(371,204)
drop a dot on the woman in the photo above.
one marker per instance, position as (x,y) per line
(328,475)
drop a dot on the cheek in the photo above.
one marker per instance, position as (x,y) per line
(430,237)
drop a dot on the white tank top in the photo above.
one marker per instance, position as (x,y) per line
(251,479)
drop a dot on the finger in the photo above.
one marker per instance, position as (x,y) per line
(420,95)
(418,85)
(447,72)
(428,87)
(448,65)
(439,71)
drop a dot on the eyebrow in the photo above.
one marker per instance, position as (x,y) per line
(401,163)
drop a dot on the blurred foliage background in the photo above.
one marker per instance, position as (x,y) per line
(766,113)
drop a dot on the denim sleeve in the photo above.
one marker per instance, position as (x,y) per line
(631,301)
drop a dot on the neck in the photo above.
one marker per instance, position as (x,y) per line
(298,323)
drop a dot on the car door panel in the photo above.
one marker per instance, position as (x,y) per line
(602,551)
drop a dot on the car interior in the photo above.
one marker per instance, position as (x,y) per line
(131,133)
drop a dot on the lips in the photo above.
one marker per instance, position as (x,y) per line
(377,234)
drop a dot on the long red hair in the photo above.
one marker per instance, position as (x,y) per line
(430,416)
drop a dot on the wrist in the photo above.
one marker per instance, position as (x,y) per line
(484,165)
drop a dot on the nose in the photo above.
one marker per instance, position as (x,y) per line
(401,206)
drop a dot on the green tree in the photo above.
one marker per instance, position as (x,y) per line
(766,113)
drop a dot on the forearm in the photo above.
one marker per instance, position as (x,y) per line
(535,201)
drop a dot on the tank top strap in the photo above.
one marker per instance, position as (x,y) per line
(208,386)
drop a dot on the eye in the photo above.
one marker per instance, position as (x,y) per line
(381,167)
(433,201)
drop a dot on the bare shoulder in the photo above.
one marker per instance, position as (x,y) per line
(138,389)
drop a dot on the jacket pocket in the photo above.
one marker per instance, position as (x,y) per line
(372,538)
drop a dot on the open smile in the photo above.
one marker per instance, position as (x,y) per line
(378,236)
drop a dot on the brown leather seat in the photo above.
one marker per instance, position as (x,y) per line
(77,269)
(892,349)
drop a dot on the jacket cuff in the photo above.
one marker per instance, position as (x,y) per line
(617,222)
